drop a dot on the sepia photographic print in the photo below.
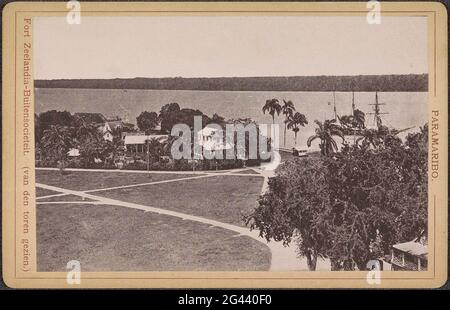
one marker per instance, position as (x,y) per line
(227,145)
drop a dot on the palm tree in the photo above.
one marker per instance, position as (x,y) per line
(287,109)
(86,132)
(296,120)
(88,139)
(167,145)
(378,137)
(244,148)
(57,141)
(346,120)
(359,119)
(352,122)
(325,132)
(272,106)
(93,149)
(155,149)
(113,151)
(369,137)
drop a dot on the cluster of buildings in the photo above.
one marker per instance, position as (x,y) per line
(104,125)
(135,141)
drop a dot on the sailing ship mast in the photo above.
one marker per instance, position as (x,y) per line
(334,105)
(377,111)
(353,114)
(353,103)
(377,116)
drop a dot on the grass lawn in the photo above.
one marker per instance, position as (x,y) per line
(110,238)
(222,198)
(43,191)
(87,180)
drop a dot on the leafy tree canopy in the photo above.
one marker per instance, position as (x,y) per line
(351,207)
(171,114)
(147,121)
(53,117)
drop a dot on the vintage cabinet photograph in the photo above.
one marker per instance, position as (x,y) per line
(225,145)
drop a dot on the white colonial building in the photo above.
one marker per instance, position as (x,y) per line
(136,143)
(211,139)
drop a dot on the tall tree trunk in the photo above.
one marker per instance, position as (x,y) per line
(285,126)
(327,148)
(273,130)
(295,133)
(257,143)
(322,148)
(224,142)
(311,260)
(61,161)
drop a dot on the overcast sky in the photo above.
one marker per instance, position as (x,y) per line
(126,47)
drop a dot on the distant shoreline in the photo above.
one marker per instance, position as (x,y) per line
(358,83)
(240,91)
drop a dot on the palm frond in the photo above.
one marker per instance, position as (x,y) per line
(311,139)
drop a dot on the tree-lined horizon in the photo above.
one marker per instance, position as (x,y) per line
(357,83)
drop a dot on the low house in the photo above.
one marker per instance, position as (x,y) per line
(115,123)
(412,255)
(104,125)
(91,118)
(136,144)
(106,131)
(123,134)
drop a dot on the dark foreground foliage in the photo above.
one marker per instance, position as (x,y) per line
(350,207)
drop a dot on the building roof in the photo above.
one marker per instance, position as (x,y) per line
(114,124)
(215,146)
(95,118)
(209,130)
(140,139)
(132,133)
(73,153)
(412,247)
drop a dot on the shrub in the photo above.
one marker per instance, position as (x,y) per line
(45,163)
(175,165)
(182,165)
(254,162)
(137,165)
